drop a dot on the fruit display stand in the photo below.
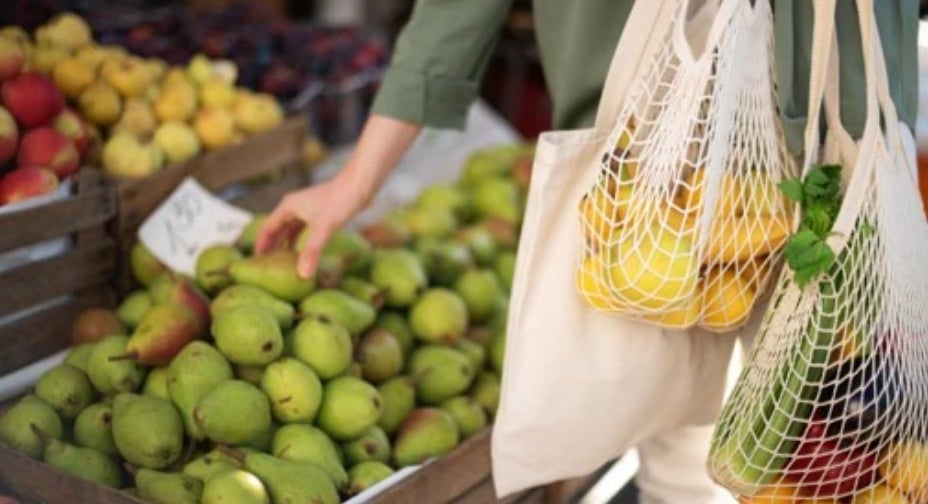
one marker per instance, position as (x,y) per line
(40,298)
(271,162)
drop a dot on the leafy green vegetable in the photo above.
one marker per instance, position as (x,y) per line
(819,198)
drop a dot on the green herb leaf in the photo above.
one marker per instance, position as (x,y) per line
(792,189)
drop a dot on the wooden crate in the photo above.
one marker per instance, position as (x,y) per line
(267,165)
(39,300)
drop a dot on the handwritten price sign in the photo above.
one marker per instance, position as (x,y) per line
(188,222)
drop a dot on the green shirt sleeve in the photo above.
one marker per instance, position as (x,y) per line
(898,25)
(438,61)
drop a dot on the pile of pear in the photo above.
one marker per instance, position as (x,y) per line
(644,256)
(247,383)
(144,113)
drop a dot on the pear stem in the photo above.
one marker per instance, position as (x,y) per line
(237,455)
(133,355)
(43,436)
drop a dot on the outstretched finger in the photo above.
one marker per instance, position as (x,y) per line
(271,228)
(312,250)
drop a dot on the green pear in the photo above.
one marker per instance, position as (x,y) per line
(262,442)
(354,369)
(66,389)
(148,431)
(400,274)
(486,391)
(505,268)
(182,291)
(210,266)
(481,335)
(440,373)
(443,260)
(304,443)
(399,399)
(468,414)
(479,289)
(389,232)
(474,351)
(111,376)
(274,272)
(238,295)
(372,445)
(133,308)
(292,482)
(426,433)
(145,266)
(208,465)
(235,412)
(156,384)
(323,344)
(429,222)
(235,486)
(352,248)
(84,463)
(498,351)
(350,406)
(293,389)
(380,356)
(363,290)
(167,488)
(349,311)
(396,324)
(439,316)
(93,428)
(198,369)
(162,333)
(329,271)
(250,374)
(365,475)
(482,165)
(446,197)
(161,287)
(498,198)
(246,240)
(480,242)
(248,335)
(79,355)
(15,425)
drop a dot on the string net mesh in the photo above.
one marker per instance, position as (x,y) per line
(684,223)
(833,406)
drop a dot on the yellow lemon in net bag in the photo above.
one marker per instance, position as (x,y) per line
(592,284)
(906,467)
(727,299)
(654,269)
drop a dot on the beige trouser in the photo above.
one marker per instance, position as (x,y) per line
(673,469)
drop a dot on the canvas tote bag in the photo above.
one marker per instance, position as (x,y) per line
(580,387)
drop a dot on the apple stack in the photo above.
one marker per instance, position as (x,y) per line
(42,142)
(146,113)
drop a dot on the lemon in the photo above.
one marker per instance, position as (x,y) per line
(730,201)
(906,467)
(881,495)
(737,239)
(592,285)
(602,212)
(761,194)
(785,494)
(654,269)
(727,300)
(680,318)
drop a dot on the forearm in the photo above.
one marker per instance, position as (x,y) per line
(382,144)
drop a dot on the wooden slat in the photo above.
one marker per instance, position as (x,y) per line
(445,478)
(484,493)
(265,197)
(39,482)
(566,491)
(93,205)
(36,336)
(72,271)
(253,157)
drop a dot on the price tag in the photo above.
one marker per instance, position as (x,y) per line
(188,222)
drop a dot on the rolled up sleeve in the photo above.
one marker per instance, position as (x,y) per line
(439,60)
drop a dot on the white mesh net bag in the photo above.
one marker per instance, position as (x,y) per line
(833,406)
(684,223)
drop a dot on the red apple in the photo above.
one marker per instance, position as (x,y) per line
(47,147)
(9,136)
(12,57)
(71,125)
(32,98)
(825,468)
(24,183)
